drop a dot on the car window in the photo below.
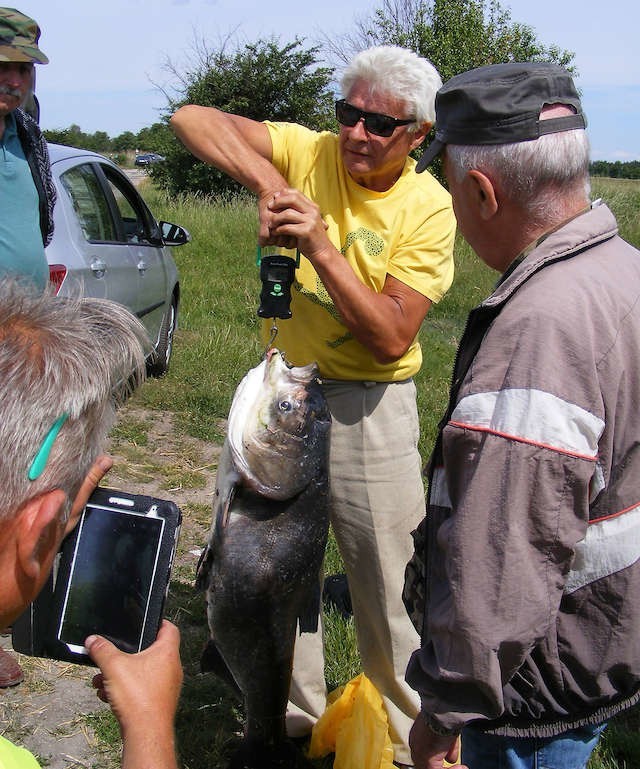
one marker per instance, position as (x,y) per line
(89,203)
(131,214)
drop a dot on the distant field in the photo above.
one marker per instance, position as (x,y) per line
(623,197)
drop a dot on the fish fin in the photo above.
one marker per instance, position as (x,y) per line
(227,481)
(204,568)
(224,508)
(211,661)
(308,618)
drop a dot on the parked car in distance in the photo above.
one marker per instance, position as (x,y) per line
(148,159)
(107,243)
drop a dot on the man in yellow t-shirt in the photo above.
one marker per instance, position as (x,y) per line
(376,244)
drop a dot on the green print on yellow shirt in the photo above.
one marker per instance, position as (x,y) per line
(374,246)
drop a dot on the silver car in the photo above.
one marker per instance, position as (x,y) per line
(107,243)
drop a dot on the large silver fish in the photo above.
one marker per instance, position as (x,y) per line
(261,565)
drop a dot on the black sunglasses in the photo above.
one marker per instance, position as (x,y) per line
(374,122)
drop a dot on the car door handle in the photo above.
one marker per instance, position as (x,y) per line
(142,266)
(98,267)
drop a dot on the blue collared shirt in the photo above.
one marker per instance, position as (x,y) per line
(21,250)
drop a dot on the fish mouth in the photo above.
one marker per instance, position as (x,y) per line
(276,359)
(307,377)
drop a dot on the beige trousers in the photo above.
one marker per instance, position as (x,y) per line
(377,500)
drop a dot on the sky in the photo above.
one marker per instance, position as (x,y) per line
(108,72)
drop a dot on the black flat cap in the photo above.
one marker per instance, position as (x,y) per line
(501,104)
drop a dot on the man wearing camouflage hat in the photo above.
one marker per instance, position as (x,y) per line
(27,194)
(525,582)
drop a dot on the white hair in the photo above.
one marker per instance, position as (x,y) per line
(400,73)
(534,174)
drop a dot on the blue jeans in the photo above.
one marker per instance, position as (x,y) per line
(569,750)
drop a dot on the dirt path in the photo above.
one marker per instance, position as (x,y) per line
(46,713)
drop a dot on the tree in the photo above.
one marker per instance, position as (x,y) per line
(616,169)
(57,135)
(71,137)
(261,80)
(156,138)
(98,142)
(455,35)
(125,141)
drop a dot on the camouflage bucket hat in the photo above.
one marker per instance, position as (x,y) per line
(19,37)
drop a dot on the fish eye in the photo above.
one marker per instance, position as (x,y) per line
(285,406)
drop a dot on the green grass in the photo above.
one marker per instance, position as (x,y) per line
(217,341)
(623,197)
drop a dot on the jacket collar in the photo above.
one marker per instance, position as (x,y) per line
(594,225)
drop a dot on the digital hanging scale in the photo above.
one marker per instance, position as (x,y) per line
(277,273)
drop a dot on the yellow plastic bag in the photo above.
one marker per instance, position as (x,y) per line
(354,727)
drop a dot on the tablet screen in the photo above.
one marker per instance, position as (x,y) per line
(112,571)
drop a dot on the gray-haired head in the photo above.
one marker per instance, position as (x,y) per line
(399,72)
(65,365)
(522,123)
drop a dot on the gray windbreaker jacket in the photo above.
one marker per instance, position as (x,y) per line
(525,583)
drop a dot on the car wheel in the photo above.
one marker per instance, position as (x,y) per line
(158,364)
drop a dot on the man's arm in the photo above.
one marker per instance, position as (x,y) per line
(430,750)
(386,323)
(142,690)
(236,145)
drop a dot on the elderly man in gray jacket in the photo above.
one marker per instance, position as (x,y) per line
(525,583)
